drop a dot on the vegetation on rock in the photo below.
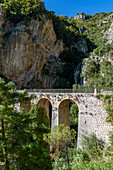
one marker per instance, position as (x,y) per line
(99,76)
(23,10)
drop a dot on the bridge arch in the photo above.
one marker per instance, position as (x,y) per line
(42,98)
(64,112)
(71,99)
(47,104)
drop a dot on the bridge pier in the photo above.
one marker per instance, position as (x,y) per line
(55,117)
(78,133)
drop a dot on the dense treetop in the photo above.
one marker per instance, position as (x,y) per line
(21,10)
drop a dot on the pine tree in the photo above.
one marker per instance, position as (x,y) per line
(21,132)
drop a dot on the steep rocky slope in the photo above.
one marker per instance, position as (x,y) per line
(26,51)
(29,55)
(100,60)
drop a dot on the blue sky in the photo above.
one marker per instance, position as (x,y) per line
(72,7)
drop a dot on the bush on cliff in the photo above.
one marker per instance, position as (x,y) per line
(23,10)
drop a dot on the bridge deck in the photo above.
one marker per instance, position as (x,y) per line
(61,90)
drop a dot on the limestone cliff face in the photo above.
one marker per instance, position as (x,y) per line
(82,16)
(26,51)
(81,45)
(29,55)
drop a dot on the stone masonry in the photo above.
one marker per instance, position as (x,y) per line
(92,114)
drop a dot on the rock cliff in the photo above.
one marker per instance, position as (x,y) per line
(82,16)
(29,55)
(25,51)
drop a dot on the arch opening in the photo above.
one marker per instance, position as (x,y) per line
(46,104)
(68,113)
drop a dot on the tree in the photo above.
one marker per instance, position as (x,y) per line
(99,76)
(60,138)
(35,147)
(74,116)
(8,97)
(94,155)
(106,75)
(23,10)
(21,132)
(90,73)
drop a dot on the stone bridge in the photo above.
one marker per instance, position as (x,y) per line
(92,114)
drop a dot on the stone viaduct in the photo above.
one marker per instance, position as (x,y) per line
(92,114)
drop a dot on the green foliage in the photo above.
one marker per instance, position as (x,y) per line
(61,136)
(98,164)
(64,30)
(108,100)
(23,10)
(21,133)
(74,117)
(91,74)
(99,76)
(60,162)
(103,49)
(92,147)
(94,28)
(94,155)
(60,139)
(111,139)
(106,75)
(36,149)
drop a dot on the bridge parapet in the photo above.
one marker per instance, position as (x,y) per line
(61,90)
